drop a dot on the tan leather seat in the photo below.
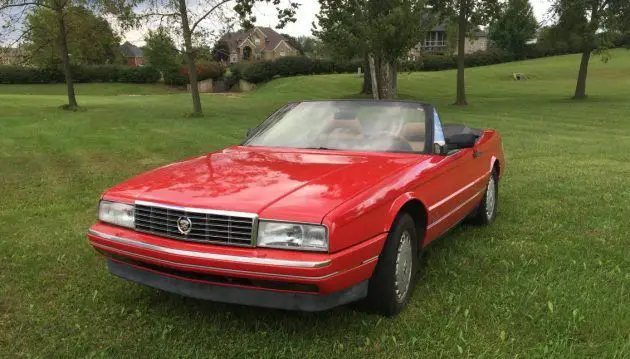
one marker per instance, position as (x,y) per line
(343,129)
(414,133)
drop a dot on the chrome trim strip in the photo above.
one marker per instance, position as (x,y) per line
(212,256)
(456,209)
(194,266)
(199,210)
(441,202)
(369,260)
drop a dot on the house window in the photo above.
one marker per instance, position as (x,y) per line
(283,54)
(435,41)
(257,41)
(233,58)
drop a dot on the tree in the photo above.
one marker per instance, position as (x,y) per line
(310,45)
(381,32)
(515,25)
(188,23)
(585,18)
(468,14)
(294,43)
(13,12)
(161,52)
(91,40)
(221,51)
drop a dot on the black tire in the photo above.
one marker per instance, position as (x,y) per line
(484,215)
(383,296)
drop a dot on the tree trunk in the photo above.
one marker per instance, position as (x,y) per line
(373,77)
(366,89)
(461,48)
(580,88)
(394,77)
(385,84)
(190,59)
(589,45)
(65,61)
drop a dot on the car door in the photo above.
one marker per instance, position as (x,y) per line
(457,185)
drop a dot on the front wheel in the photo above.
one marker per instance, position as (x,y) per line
(393,280)
(486,212)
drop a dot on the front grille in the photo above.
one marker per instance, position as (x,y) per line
(207,226)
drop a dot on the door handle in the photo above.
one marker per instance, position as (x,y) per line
(477,153)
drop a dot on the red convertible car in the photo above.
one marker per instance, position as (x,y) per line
(324,203)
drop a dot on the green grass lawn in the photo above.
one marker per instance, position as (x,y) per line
(549,279)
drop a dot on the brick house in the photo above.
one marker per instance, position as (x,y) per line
(259,43)
(436,42)
(133,54)
(12,56)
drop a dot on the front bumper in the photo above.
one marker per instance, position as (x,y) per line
(237,295)
(252,276)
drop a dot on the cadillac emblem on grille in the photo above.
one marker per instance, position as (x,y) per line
(184,225)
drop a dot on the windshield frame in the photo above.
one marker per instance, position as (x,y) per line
(273,118)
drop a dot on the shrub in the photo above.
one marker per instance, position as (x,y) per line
(100,73)
(205,70)
(261,71)
(80,74)
(173,77)
(28,75)
(138,75)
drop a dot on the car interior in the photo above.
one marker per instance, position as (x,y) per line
(345,127)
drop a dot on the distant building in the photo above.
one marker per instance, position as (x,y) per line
(259,43)
(436,42)
(11,56)
(133,54)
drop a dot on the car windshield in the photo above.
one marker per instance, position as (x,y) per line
(345,125)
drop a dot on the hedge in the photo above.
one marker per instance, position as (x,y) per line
(262,71)
(80,74)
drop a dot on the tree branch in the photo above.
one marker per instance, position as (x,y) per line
(24,4)
(203,17)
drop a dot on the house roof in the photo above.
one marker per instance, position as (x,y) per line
(235,39)
(130,50)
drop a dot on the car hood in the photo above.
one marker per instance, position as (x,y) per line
(274,183)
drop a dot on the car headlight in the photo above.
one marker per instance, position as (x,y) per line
(287,235)
(119,214)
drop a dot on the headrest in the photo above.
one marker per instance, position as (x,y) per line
(413,131)
(345,115)
(350,125)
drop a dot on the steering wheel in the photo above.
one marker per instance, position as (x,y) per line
(399,143)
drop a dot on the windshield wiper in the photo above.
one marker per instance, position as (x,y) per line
(319,148)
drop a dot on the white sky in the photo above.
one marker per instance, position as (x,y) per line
(266,16)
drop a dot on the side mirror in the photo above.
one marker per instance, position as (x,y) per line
(462,140)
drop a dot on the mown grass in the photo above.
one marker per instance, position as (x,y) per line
(549,279)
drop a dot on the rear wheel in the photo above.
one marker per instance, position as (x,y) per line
(486,212)
(393,280)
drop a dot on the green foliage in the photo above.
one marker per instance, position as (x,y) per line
(295,43)
(161,53)
(580,21)
(515,25)
(91,40)
(81,74)
(388,29)
(262,71)
(210,70)
(138,75)
(221,51)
